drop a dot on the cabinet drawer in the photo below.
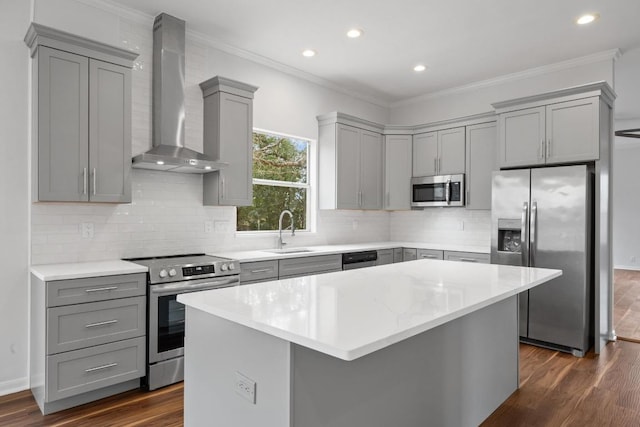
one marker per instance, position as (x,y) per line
(258,271)
(409,254)
(80,371)
(430,254)
(397,255)
(309,265)
(90,289)
(467,257)
(385,256)
(72,327)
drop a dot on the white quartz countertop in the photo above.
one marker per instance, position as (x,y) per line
(78,270)
(350,314)
(266,254)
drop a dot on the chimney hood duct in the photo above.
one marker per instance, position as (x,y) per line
(168,152)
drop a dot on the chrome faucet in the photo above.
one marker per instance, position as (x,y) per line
(293,228)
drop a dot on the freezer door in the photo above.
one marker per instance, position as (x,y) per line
(560,238)
(509,217)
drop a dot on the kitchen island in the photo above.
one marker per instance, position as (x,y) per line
(413,344)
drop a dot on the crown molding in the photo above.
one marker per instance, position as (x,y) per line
(128,13)
(612,54)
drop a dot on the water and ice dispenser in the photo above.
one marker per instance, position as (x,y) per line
(509,235)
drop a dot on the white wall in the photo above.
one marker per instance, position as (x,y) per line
(14,195)
(626,199)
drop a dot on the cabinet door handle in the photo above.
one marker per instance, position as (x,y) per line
(260,270)
(99,368)
(108,288)
(468,260)
(94,181)
(222,192)
(439,165)
(468,201)
(541,150)
(548,147)
(108,322)
(84,181)
(435,165)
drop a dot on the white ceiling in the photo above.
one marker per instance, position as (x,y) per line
(460,41)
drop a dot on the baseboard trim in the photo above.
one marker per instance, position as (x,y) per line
(627,267)
(14,386)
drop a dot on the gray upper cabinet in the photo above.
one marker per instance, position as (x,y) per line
(572,131)
(439,153)
(82,117)
(397,172)
(559,127)
(350,166)
(228,136)
(481,161)
(521,137)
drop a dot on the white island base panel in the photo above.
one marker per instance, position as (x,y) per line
(455,374)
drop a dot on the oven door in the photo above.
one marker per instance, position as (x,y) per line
(167,316)
(434,191)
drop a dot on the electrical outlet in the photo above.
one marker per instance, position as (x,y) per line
(245,387)
(221,226)
(87,230)
(208,226)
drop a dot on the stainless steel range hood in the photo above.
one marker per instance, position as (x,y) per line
(168,152)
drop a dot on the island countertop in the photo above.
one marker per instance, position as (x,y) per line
(350,314)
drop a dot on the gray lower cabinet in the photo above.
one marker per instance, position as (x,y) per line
(429,254)
(87,338)
(82,114)
(385,256)
(228,137)
(409,254)
(467,257)
(258,271)
(397,254)
(292,267)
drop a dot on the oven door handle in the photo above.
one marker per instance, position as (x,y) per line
(181,287)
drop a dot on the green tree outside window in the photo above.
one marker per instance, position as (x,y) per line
(280,181)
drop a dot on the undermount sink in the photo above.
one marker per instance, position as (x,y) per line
(289,251)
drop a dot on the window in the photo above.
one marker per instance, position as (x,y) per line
(280,181)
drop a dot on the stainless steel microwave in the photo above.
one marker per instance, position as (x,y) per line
(434,191)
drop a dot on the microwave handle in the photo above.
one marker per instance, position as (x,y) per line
(447,191)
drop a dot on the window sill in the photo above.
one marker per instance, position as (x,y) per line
(272,233)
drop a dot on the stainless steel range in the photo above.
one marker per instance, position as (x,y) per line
(169,276)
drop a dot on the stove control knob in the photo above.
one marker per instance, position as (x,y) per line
(232,266)
(172,272)
(163,273)
(224,267)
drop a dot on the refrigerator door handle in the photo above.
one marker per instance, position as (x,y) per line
(447,191)
(532,233)
(524,241)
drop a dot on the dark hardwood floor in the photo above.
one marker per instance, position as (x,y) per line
(626,304)
(556,389)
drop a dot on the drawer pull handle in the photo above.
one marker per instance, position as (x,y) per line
(108,288)
(108,322)
(99,368)
(468,260)
(428,256)
(260,270)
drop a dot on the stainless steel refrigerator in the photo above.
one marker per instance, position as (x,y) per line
(544,218)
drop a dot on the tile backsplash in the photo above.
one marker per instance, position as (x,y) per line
(166,216)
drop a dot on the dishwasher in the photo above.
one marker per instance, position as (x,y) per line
(353,260)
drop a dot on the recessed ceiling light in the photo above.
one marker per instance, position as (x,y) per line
(587,19)
(207,168)
(160,162)
(308,53)
(419,68)
(354,33)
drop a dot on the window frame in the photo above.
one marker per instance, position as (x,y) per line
(310,185)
